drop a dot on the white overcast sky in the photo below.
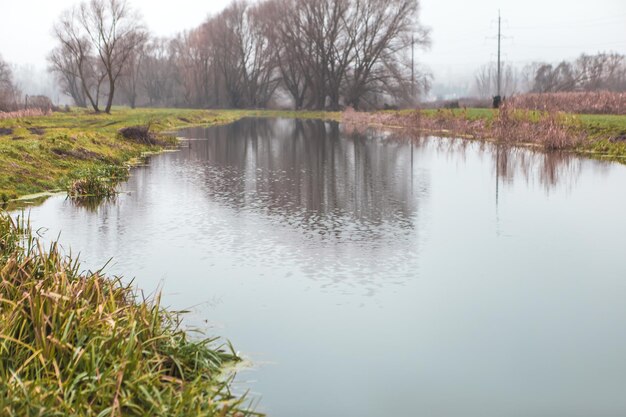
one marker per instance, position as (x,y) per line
(463,31)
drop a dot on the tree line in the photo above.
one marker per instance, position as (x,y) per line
(307,54)
(589,72)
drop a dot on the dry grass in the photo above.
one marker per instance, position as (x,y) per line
(549,130)
(23,113)
(602,102)
(83,344)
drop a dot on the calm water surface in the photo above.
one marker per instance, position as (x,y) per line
(371,275)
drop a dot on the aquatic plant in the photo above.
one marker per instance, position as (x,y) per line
(98,181)
(83,344)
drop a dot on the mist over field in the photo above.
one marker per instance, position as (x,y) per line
(462,36)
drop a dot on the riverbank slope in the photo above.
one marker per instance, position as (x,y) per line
(43,153)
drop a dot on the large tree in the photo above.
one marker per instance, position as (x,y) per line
(96,42)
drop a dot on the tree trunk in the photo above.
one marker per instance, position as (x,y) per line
(111,94)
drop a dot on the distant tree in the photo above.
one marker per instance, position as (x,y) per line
(8,90)
(159,77)
(486,80)
(602,71)
(130,83)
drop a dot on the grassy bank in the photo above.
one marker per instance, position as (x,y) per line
(601,136)
(52,153)
(48,153)
(83,344)
(44,153)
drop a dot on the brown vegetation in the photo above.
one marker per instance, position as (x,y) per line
(601,102)
(140,134)
(549,130)
(23,113)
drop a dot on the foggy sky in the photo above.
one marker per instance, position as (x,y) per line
(463,31)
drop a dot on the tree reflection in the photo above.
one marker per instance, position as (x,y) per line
(311,172)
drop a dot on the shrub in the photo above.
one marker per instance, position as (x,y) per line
(96,182)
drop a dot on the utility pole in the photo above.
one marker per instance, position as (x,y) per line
(499,63)
(497,100)
(413,67)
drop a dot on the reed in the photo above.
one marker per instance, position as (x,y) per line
(592,102)
(550,130)
(83,344)
(24,113)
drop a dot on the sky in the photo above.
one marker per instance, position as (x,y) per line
(463,32)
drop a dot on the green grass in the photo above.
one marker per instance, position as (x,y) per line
(469,113)
(44,153)
(83,344)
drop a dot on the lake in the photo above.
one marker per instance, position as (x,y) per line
(369,274)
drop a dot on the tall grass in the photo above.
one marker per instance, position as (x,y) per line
(82,344)
(550,130)
(23,113)
(598,102)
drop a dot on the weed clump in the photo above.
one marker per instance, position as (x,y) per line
(140,134)
(98,181)
(83,344)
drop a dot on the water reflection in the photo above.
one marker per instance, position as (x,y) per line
(304,172)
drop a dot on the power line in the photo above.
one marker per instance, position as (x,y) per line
(592,22)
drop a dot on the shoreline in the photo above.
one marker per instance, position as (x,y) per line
(42,153)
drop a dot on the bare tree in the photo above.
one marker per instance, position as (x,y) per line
(324,54)
(486,80)
(116,32)
(602,71)
(96,41)
(158,72)
(68,75)
(130,77)
(73,61)
(242,53)
(380,31)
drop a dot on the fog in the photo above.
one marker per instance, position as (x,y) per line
(463,33)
